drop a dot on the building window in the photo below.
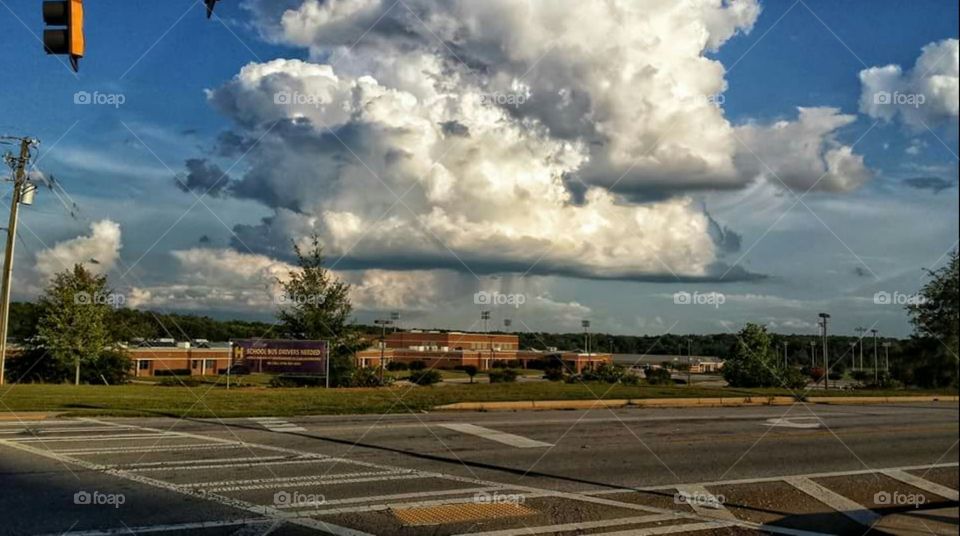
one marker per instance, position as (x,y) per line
(194,364)
(143,364)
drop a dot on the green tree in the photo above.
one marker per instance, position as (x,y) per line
(73,328)
(470,370)
(935,317)
(754,362)
(316,305)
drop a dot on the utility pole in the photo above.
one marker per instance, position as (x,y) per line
(886,356)
(826,356)
(785,362)
(689,360)
(23,192)
(876,374)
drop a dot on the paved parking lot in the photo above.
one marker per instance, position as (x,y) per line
(795,470)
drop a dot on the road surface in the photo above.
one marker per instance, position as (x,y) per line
(802,469)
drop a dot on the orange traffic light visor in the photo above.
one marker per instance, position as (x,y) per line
(77,43)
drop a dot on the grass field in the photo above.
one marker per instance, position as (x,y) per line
(213,400)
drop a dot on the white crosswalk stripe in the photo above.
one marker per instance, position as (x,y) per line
(278,425)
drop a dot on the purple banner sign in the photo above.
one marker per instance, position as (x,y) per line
(282,356)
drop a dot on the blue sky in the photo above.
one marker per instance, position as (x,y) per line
(832,251)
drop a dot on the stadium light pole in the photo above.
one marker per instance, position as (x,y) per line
(383,335)
(586,335)
(824,317)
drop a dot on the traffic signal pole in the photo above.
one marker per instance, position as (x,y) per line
(19,165)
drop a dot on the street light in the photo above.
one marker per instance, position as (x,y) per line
(383,335)
(826,355)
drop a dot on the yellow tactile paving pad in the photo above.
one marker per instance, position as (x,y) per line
(459,513)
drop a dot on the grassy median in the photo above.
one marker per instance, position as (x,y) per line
(209,400)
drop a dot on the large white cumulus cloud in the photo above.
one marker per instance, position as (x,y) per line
(380,173)
(560,136)
(927,94)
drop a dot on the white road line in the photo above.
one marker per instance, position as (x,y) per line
(569,527)
(392,506)
(670,529)
(852,509)
(222,465)
(922,483)
(82,439)
(268,511)
(166,528)
(290,479)
(791,423)
(168,448)
(705,503)
(767,479)
(414,495)
(493,435)
(277,425)
(274,485)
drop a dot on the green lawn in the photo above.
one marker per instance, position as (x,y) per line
(207,400)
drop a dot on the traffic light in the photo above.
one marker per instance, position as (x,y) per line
(210,4)
(68,38)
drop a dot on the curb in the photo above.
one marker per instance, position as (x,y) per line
(543,405)
(26,416)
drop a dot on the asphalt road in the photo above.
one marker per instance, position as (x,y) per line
(785,470)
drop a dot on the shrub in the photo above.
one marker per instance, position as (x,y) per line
(369,377)
(112,367)
(179,381)
(503,376)
(172,372)
(394,366)
(861,376)
(554,374)
(658,376)
(426,377)
(295,380)
(417,365)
